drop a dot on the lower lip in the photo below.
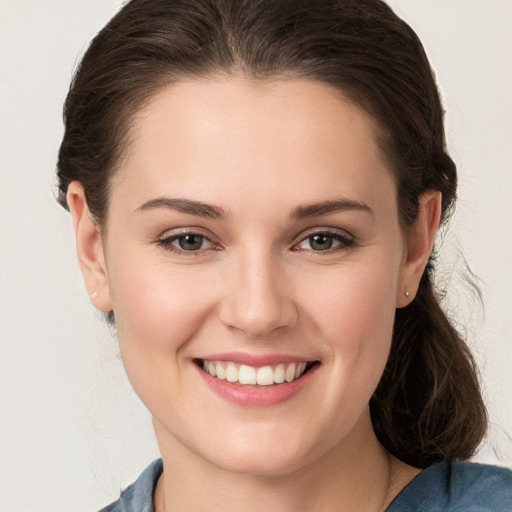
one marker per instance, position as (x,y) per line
(257,396)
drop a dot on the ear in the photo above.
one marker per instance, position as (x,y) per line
(419,244)
(89,248)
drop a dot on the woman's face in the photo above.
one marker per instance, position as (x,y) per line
(253,231)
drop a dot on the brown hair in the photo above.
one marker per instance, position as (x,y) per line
(428,405)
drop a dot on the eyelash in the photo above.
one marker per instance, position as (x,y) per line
(167,243)
(345,241)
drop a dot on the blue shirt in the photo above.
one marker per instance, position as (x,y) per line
(461,487)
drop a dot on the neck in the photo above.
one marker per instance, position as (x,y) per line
(356,475)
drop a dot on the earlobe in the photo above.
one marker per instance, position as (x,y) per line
(419,244)
(89,248)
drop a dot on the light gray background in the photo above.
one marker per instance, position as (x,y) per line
(71,430)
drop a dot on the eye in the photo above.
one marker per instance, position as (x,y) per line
(191,242)
(325,241)
(186,243)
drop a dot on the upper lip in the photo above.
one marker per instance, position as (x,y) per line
(256,360)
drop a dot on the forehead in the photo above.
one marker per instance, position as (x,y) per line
(209,138)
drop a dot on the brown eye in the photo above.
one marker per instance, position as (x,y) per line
(324,241)
(320,242)
(191,242)
(186,243)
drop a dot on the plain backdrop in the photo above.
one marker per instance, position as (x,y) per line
(72,433)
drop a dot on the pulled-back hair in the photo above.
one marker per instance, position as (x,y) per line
(427,406)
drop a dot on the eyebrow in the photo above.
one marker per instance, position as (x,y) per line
(327,207)
(209,211)
(186,206)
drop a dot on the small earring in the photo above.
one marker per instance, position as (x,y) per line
(94,295)
(407,294)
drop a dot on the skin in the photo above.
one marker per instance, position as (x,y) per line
(258,151)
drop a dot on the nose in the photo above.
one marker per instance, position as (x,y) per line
(258,299)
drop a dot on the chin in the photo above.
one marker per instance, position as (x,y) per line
(264,466)
(260,456)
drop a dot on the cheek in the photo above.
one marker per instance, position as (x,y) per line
(360,299)
(158,312)
(354,314)
(157,308)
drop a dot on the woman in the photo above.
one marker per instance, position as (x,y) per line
(256,187)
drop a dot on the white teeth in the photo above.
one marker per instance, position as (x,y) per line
(220,371)
(231,373)
(249,375)
(289,375)
(265,376)
(279,374)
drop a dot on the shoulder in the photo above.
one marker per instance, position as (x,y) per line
(457,487)
(138,497)
(485,488)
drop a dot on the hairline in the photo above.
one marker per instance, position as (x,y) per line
(134,106)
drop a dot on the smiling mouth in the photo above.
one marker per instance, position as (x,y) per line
(250,376)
